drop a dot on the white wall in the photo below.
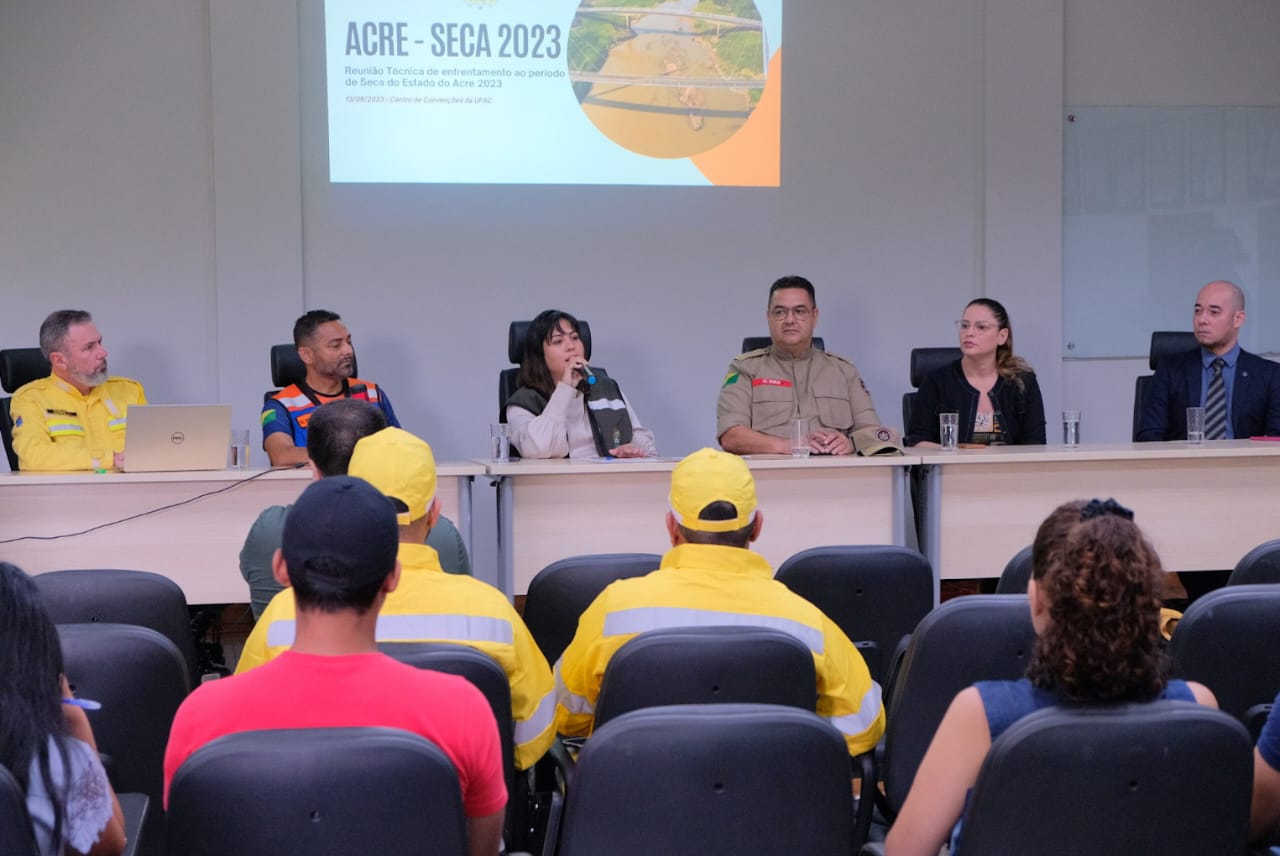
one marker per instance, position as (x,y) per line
(1159,53)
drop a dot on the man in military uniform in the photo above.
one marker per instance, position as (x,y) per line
(766,389)
(75,418)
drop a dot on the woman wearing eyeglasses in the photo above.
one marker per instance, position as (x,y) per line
(994,391)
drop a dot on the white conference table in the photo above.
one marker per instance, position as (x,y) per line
(1203,507)
(548,510)
(188,526)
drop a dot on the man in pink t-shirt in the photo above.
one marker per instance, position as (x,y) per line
(339,554)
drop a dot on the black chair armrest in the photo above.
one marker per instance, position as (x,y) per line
(134,807)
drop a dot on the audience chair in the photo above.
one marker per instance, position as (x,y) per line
(17,835)
(515,353)
(875,593)
(755,343)
(563,590)
(966,639)
(923,362)
(140,679)
(17,838)
(18,367)
(695,779)
(1259,565)
(1227,640)
(288,368)
(1016,574)
(121,597)
(1172,777)
(1164,343)
(487,676)
(319,791)
(477,667)
(707,665)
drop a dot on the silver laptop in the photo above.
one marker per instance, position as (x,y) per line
(175,437)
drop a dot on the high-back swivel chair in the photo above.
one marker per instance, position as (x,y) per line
(1164,344)
(516,335)
(18,367)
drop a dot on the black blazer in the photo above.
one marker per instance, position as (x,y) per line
(1255,397)
(1021,412)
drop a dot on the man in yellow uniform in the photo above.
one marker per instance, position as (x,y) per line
(711,578)
(74,419)
(766,389)
(430,605)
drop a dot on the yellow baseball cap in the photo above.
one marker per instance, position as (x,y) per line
(401,466)
(709,476)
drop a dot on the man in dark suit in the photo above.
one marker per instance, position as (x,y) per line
(1251,383)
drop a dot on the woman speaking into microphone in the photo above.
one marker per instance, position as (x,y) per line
(561,408)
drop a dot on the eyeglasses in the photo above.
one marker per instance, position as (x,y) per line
(980,326)
(780,312)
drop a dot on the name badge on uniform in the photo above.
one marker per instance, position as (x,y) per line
(770,381)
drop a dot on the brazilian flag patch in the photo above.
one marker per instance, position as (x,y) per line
(268,416)
(729,379)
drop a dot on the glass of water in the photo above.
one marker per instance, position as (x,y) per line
(800,438)
(948,431)
(1195,425)
(1071,428)
(500,442)
(239,459)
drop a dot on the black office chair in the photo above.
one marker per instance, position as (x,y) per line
(755,343)
(18,367)
(924,361)
(486,675)
(1168,776)
(16,835)
(288,368)
(516,334)
(563,590)
(1164,343)
(695,779)
(140,678)
(966,639)
(319,791)
(122,597)
(1227,640)
(1259,565)
(1016,574)
(873,593)
(707,665)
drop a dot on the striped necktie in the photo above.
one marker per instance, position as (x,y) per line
(1215,405)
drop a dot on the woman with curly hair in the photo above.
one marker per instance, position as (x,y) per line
(1095,603)
(45,739)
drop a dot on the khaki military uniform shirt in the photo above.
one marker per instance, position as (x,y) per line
(764,391)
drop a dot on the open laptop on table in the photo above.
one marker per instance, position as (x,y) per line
(176,437)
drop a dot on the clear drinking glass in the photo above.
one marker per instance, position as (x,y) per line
(948,431)
(239,453)
(500,442)
(1071,427)
(800,438)
(1195,425)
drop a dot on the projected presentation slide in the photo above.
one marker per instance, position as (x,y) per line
(617,92)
